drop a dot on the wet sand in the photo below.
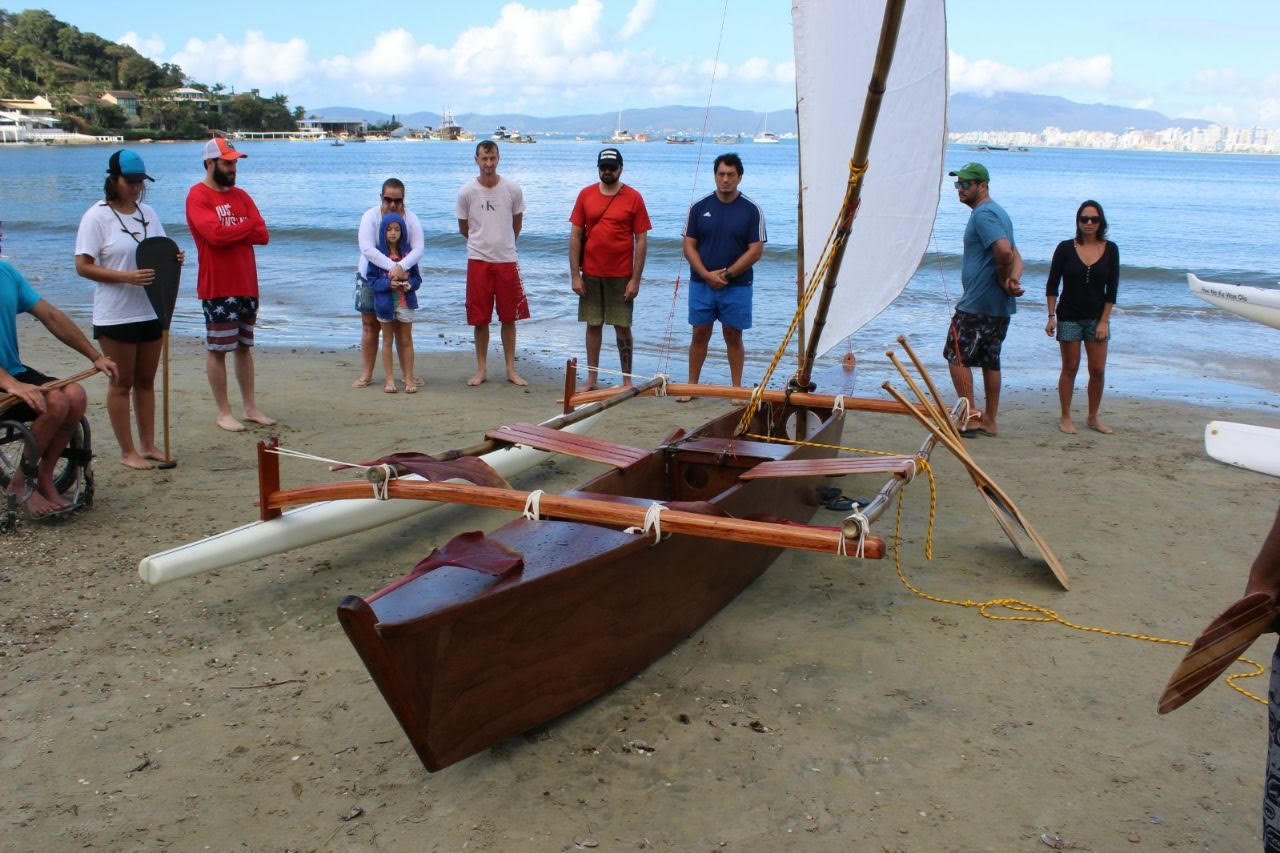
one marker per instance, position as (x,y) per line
(828,706)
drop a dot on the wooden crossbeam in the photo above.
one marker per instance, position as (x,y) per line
(902,466)
(581,446)
(737,447)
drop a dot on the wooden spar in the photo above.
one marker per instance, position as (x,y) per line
(799,234)
(607,513)
(938,413)
(730,392)
(8,401)
(866,129)
(928,380)
(987,486)
(884,497)
(606,398)
(570,383)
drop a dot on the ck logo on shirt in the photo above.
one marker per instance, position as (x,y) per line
(224,214)
(488,205)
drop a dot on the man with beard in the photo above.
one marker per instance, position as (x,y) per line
(226,225)
(991,277)
(607,246)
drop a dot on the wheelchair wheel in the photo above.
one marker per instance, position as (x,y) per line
(16,442)
(73,475)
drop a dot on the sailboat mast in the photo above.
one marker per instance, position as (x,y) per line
(800,348)
(866,129)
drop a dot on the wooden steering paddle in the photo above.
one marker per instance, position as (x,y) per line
(1219,644)
(161,254)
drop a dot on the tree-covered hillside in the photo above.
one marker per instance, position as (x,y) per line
(41,55)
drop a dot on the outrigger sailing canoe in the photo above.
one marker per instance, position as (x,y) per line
(493,634)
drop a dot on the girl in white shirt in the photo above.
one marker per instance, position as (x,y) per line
(124,323)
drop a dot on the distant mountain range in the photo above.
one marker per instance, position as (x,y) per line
(1009,111)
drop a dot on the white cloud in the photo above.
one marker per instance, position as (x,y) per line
(151,46)
(254,63)
(1093,73)
(538,60)
(639,15)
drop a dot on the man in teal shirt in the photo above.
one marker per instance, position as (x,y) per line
(991,276)
(53,413)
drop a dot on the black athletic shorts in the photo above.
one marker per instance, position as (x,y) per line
(21,411)
(130,333)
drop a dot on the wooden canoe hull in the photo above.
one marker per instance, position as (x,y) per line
(467,660)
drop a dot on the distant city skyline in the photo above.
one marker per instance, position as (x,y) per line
(547,57)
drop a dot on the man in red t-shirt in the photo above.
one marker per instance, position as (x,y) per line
(226,225)
(607,246)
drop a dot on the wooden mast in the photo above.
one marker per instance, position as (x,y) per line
(870,113)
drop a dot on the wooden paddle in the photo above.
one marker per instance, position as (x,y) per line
(161,254)
(1219,644)
(7,401)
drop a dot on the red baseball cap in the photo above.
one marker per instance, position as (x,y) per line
(219,149)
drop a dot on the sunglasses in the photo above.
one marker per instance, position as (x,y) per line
(964,185)
(1089,220)
(386,199)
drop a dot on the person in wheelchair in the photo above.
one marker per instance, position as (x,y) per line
(54,413)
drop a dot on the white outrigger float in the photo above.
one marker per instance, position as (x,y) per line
(321,521)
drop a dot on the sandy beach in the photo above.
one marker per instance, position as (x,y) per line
(827,708)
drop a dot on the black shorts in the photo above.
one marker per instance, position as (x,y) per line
(130,333)
(21,411)
(978,337)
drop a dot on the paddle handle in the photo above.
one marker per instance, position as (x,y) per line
(164,355)
(7,401)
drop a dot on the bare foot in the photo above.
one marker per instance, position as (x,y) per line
(516,379)
(258,418)
(229,423)
(362,382)
(584,388)
(390,387)
(157,457)
(478,379)
(410,388)
(38,506)
(136,462)
(1067,426)
(419,381)
(683,398)
(1098,425)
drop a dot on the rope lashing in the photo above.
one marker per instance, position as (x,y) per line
(838,405)
(652,522)
(533,505)
(864,529)
(382,486)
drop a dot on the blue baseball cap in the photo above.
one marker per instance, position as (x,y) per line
(125,164)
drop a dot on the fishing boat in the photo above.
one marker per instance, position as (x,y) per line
(1255,303)
(679,139)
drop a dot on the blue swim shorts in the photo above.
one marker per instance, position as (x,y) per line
(730,305)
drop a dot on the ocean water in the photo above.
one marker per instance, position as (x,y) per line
(1217,216)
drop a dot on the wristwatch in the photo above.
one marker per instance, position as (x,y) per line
(728,276)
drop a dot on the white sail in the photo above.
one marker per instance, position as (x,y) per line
(835,48)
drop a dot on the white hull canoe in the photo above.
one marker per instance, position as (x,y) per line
(1255,303)
(1244,445)
(314,523)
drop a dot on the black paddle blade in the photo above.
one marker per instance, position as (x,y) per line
(161,254)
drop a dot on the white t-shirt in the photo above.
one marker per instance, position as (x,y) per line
(367,237)
(488,212)
(102,237)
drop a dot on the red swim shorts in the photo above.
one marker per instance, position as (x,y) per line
(491,283)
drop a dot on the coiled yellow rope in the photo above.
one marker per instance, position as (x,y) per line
(1039,613)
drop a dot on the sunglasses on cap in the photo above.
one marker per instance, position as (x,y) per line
(1089,220)
(964,185)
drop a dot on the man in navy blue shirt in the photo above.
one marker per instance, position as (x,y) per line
(990,275)
(723,238)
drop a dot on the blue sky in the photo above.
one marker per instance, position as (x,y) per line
(1209,60)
